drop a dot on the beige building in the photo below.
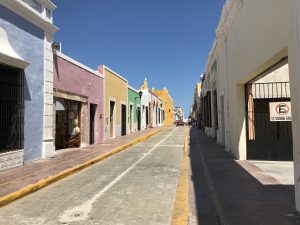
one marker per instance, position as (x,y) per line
(254,64)
(196,103)
(116,95)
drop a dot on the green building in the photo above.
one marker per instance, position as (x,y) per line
(134,110)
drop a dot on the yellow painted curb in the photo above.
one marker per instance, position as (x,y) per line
(45,182)
(180,214)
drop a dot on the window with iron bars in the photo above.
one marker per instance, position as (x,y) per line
(11,108)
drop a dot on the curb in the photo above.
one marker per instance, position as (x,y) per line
(180,214)
(65,173)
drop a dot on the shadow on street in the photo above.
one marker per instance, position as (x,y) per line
(245,194)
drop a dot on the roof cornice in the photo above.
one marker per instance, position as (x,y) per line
(133,89)
(25,11)
(228,16)
(49,4)
(113,72)
(76,63)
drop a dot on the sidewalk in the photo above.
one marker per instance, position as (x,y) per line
(236,192)
(17,182)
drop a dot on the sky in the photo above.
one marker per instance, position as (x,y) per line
(165,41)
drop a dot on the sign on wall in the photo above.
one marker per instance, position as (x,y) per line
(280,111)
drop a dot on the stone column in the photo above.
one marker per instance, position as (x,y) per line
(294,63)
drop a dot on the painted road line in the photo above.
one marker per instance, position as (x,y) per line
(51,179)
(174,146)
(212,190)
(81,212)
(180,215)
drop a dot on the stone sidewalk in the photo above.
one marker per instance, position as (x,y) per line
(235,192)
(16,179)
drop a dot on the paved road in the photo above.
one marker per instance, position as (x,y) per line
(235,192)
(133,187)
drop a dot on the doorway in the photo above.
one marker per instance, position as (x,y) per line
(131,117)
(93,109)
(215,102)
(147,117)
(267,139)
(138,112)
(156,119)
(223,119)
(123,120)
(12,107)
(67,123)
(112,119)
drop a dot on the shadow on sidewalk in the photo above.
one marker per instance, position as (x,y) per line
(246,195)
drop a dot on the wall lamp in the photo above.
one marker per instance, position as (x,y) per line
(56,46)
(140,93)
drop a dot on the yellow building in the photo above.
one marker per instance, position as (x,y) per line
(196,104)
(168,105)
(116,95)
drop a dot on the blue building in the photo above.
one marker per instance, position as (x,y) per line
(26,81)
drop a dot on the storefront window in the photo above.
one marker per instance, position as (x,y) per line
(67,124)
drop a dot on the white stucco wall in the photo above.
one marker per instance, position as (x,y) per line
(294,65)
(256,39)
(253,36)
(145,100)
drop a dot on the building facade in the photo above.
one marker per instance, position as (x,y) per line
(152,107)
(178,113)
(116,99)
(27,71)
(251,86)
(134,110)
(196,104)
(156,110)
(147,106)
(167,105)
(78,104)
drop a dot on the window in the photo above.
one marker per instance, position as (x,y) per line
(48,13)
(12,106)
(34,4)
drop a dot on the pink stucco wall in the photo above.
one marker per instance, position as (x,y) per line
(71,78)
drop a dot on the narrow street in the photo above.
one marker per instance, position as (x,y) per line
(136,186)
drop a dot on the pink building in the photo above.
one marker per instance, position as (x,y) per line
(78,104)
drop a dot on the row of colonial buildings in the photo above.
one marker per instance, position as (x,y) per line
(50,101)
(249,95)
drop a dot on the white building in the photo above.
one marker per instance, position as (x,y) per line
(254,64)
(152,108)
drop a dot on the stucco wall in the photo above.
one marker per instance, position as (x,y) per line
(252,37)
(155,106)
(135,99)
(73,79)
(223,131)
(168,105)
(116,89)
(145,101)
(257,39)
(28,42)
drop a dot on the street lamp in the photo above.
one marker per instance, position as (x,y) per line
(140,93)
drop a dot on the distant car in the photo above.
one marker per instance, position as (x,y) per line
(179,123)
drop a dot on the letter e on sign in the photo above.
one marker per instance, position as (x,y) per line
(280,111)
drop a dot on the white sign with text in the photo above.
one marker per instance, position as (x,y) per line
(280,111)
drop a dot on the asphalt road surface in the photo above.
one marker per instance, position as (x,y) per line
(135,187)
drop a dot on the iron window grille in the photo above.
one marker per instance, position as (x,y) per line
(11,108)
